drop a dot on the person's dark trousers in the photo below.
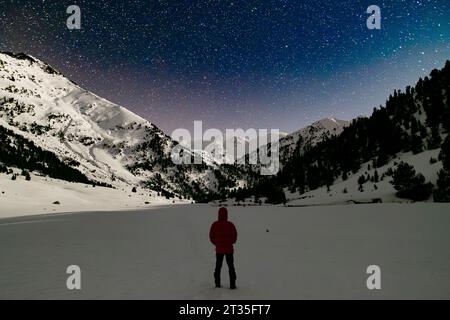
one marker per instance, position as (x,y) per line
(231,270)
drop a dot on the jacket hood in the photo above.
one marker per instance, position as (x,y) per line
(223,214)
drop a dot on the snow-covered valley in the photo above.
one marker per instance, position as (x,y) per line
(281,253)
(43,195)
(300,148)
(44,115)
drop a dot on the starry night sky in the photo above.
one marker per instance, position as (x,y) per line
(260,64)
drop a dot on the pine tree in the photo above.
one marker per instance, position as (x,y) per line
(410,185)
(361,180)
(435,139)
(376,178)
(416,140)
(444,155)
(442,192)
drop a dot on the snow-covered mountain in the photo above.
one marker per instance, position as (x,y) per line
(398,152)
(88,139)
(104,141)
(236,141)
(311,135)
(306,137)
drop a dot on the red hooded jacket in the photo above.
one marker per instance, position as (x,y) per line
(223,233)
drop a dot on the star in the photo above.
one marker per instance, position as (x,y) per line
(275,61)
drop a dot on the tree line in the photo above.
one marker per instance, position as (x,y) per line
(413,120)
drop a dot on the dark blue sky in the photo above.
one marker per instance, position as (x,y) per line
(260,64)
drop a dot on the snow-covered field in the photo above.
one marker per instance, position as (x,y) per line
(21,197)
(291,253)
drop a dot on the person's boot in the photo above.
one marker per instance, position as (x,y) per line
(232,282)
(217,280)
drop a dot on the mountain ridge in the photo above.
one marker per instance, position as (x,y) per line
(108,142)
(111,145)
(413,120)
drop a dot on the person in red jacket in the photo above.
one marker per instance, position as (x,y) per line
(223,235)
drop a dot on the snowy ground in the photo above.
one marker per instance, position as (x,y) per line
(291,253)
(21,197)
(383,190)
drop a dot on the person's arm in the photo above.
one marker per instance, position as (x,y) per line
(212,234)
(233,233)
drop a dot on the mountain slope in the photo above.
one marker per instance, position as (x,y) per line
(107,142)
(412,121)
(289,145)
(22,153)
(310,136)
